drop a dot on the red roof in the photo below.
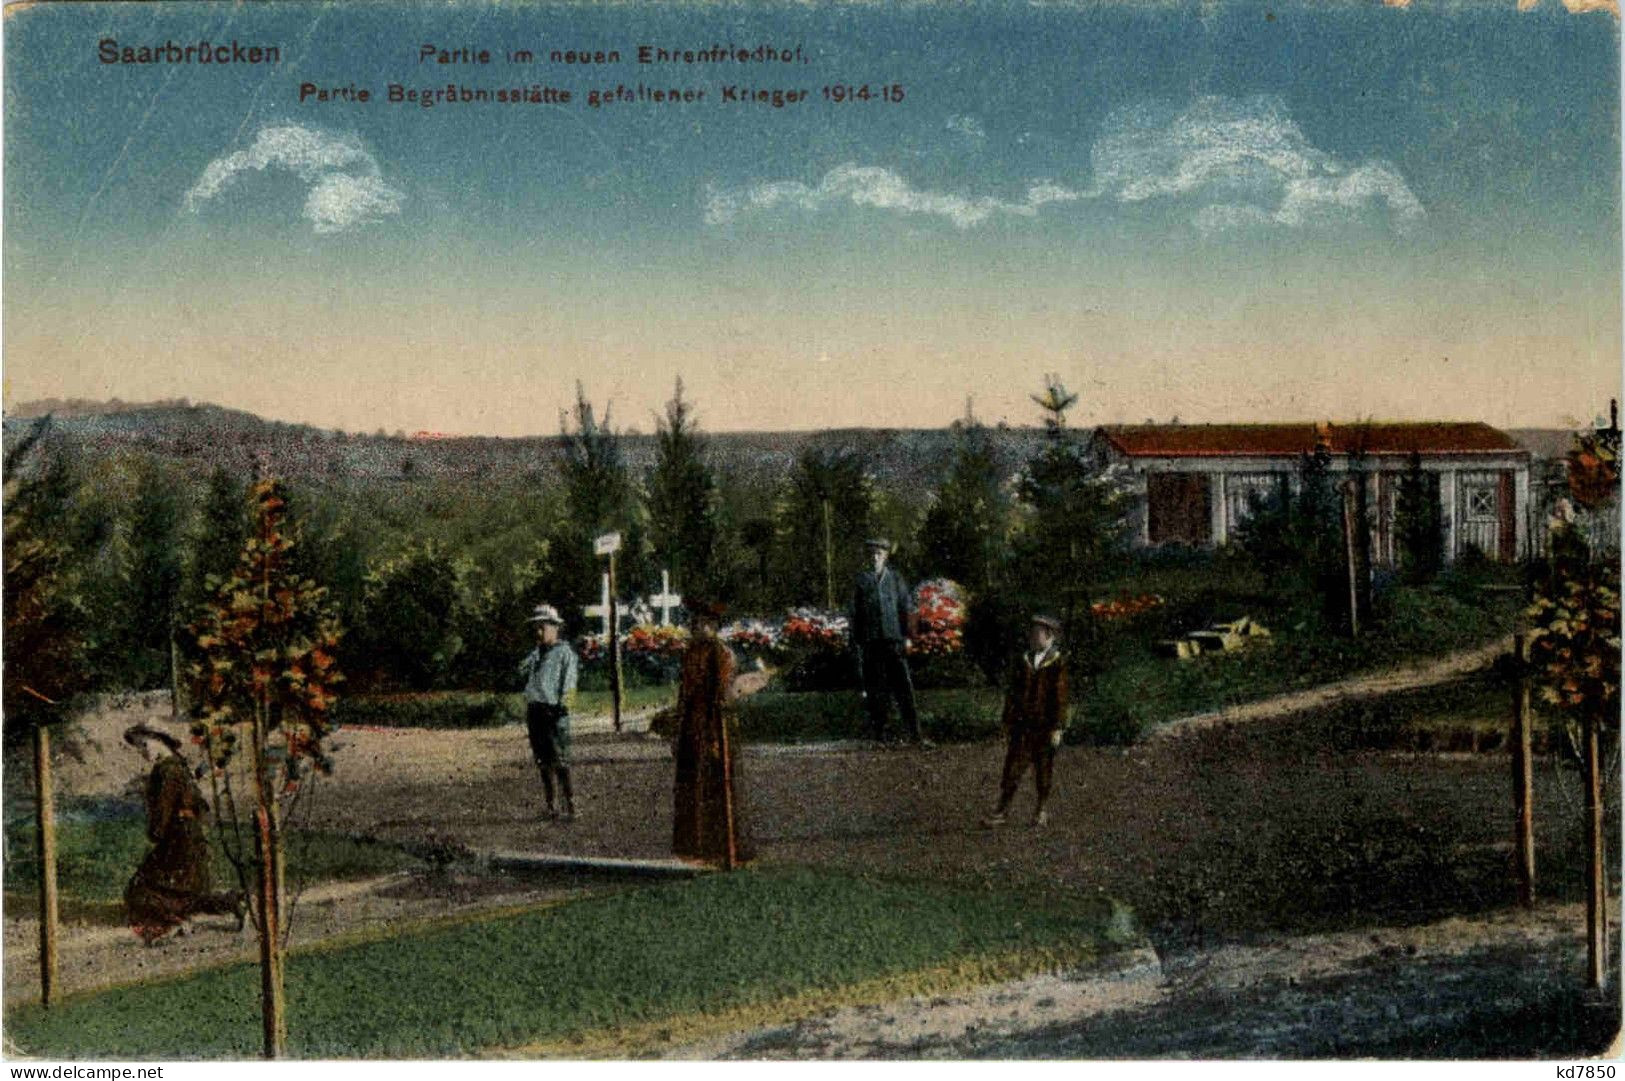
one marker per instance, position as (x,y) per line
(1278,440)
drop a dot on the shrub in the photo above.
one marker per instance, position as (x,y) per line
(447,709)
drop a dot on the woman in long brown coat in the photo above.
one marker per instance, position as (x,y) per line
(173,883)
(705,816)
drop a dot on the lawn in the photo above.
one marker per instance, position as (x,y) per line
(100,843)
(778,716)
(1134,689)
(720,942)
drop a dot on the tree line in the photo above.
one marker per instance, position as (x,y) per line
(433,578)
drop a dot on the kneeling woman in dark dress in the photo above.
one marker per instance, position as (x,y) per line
(173,883)
(706,823)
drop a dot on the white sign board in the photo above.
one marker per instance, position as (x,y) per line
(607,544)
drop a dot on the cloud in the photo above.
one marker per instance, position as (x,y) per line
(877,188)
(1245,161)
(967,126)
(345,185)
(1222,163)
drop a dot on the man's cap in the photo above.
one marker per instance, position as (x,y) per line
(878,542)
(546,613)
(1047,621)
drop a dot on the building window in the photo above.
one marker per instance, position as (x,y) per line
(1482,504)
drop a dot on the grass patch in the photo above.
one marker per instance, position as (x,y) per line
(479,709)
(100,843)
(779,716)
(1133,689)
(1414,625)
(718,943)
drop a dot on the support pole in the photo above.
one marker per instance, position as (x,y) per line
(1596,884)
(829,557)
(272,1002)
(731,858)
(1350,557)
(45,845)
(1523,781)
(614,648)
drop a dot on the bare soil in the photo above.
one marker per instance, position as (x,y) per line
(1231,844)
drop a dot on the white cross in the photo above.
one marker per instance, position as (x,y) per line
(665,600)
(600,611)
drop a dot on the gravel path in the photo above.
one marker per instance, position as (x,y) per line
(1501,984)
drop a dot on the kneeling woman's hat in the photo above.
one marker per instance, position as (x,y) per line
(137,734)
(546,613)
(1048,621)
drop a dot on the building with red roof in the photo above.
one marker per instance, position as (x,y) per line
(1197,482)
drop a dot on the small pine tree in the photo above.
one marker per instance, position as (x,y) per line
(1295,534)
(684,504)
(824,513)
(600,496)
(965,532)
(1072,524)
(152,573)
(1418,523)
(45,650)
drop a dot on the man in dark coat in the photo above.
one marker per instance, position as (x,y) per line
(882,622)
(706,823)
(1035,716)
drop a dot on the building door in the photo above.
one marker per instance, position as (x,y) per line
(1179,508)
(1508,546)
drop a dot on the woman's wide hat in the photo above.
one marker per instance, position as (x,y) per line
(546,613)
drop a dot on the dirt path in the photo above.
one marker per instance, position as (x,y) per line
(1229,845)
(1436,671)
(1463,986)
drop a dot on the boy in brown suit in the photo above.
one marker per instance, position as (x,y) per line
(1035,715)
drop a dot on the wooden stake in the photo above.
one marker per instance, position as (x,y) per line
(731,859)
(272,1005)
(1596,884)
(829,557)
(1523,781)
(45,845)
(614,648)
(1350,558)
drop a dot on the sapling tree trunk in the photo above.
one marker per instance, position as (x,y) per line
(45,844)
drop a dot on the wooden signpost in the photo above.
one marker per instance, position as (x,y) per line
(608,545)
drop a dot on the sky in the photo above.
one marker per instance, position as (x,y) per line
(1210,211)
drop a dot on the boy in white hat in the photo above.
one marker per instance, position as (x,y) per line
(550,672)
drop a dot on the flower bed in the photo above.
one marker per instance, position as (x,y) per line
(1126,605)
(812,645)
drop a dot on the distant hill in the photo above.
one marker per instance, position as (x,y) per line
(202,436)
